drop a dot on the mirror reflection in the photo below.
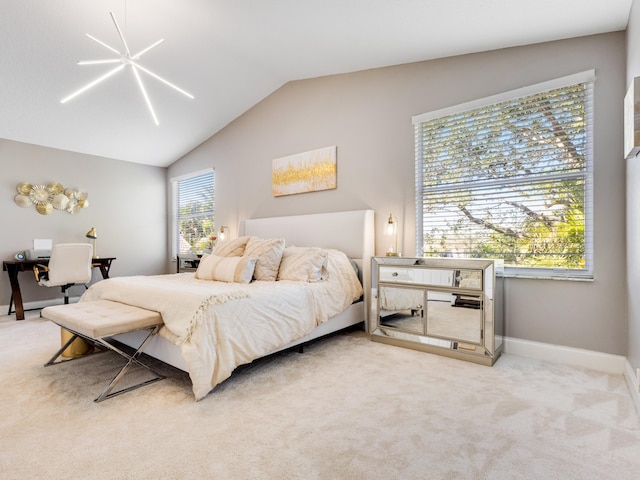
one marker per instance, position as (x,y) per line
(447,315)
(402,308)
(455,316)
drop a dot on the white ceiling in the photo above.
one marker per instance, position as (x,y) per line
(230,54)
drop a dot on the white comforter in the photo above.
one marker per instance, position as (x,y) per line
(219,326)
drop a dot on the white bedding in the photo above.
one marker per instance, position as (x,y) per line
(219,326)
(394,299)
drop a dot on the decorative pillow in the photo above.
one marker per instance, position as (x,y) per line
(269,253)
(231,248)
(226,269)
(303,264)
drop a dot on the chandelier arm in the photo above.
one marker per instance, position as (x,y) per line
(93,83)
(144,93)
(99,62)
(100,42)
(124,41)
(139,54)
(124,59)
(157,77)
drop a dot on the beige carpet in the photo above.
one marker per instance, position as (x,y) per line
(348,408)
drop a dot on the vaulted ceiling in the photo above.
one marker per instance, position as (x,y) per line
(230,54)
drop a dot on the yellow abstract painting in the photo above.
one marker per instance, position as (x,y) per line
(305,172)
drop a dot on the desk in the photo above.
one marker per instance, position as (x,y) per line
(12,267)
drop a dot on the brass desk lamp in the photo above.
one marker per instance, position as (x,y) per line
(93,236)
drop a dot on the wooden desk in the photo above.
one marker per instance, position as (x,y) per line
(13,267)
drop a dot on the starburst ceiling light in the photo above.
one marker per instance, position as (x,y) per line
(124,59)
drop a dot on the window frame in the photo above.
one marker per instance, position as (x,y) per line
(175,216)
(587,77)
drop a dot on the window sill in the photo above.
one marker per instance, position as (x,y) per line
(546,277)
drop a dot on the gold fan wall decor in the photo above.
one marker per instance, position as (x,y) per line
(50,197)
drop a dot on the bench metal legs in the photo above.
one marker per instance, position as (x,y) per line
(108,391)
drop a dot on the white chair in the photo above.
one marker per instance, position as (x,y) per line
(69,265)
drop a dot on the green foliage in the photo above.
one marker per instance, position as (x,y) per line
(508,181)
(196,221)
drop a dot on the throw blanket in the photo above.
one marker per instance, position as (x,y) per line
(159,293)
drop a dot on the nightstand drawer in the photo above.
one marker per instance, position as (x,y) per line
(417,276)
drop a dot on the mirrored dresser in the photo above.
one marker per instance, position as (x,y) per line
(452,307)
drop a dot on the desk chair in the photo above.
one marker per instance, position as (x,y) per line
(69,265)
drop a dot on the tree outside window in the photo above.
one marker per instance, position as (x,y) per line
(510,180)
(195,207)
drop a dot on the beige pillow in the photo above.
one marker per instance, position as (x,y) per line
(231,248)
(226,269)
(303,264)
(269,253)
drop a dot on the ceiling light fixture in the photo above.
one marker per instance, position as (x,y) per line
(124,59)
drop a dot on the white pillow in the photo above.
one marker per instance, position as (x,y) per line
(269,253)
(231,248)
(226,269)
(303,264)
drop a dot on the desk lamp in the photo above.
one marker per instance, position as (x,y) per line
(93,236)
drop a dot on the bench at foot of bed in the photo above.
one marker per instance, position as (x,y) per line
(97,321)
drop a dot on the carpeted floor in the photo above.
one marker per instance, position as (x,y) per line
(347,408)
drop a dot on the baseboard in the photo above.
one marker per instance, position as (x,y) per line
(633,384)
(36,305)
(602,362)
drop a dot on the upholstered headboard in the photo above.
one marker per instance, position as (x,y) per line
(351,232)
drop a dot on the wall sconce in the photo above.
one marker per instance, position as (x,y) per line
(93,236)
(391,230)
(224,233)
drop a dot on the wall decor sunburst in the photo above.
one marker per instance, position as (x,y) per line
(50,197)
(125,59)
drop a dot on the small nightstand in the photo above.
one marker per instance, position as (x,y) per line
(188,262)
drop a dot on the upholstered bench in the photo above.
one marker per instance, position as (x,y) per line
(97,321)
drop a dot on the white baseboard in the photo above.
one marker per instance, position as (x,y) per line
(602,362)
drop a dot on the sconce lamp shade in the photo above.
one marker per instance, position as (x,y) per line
(224,233)
(391,230)
(93,235)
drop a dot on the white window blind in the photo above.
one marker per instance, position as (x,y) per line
(510,178)
(194,208)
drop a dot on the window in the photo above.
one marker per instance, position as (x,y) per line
(510,177)
(193,217)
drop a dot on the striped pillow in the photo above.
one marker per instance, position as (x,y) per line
(226,269)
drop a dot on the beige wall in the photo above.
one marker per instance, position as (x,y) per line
(127,205)
(368,116)
(633,202)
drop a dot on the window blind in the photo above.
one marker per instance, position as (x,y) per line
(510,180)
(194,209)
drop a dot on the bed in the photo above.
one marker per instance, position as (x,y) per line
(209,334)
